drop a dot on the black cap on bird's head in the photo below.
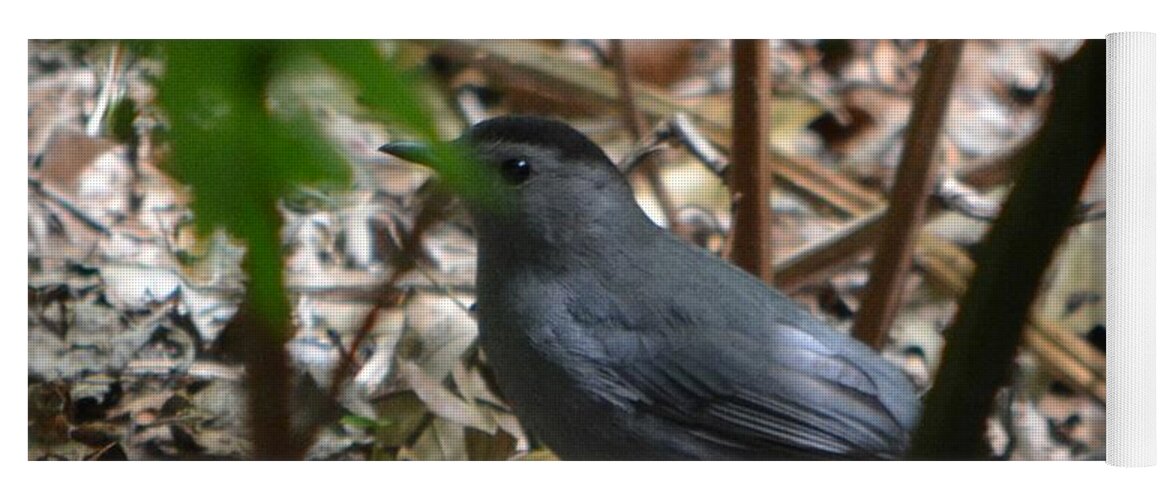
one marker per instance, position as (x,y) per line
(497,138)
(533,171)
(568,143)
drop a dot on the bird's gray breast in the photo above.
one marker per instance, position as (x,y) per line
(540,339)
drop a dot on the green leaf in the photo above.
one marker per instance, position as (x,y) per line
(239,157)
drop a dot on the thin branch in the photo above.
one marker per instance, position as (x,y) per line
(636,124)
(1065,354)
(913,185)
(697,144)
(984,338)
(111,87)
(390,295)
(680,129)
(649,144)
(258,342)
(39,188)
(818,259)
(642,153)
(559,76)
(751,182)
(959,197)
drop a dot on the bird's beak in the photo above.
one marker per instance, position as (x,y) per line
(414,152)
(450,165)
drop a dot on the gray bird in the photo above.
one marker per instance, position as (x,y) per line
(614,339)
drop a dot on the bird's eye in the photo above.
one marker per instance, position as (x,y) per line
(515,171)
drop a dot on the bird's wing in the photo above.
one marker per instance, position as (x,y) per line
(800,396)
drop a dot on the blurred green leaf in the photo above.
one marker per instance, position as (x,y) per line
(394,95)
(240,157)
(120,121)
(362,422)
(234,155)
(390,94)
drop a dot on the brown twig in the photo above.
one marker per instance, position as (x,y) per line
(985,335)
(912,188)
(947,265)
(816,260)
(257,341)
(636,124)
(635,121)
(751,182)
(390,295)
(1064,353)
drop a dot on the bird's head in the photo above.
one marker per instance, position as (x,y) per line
(532,178)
